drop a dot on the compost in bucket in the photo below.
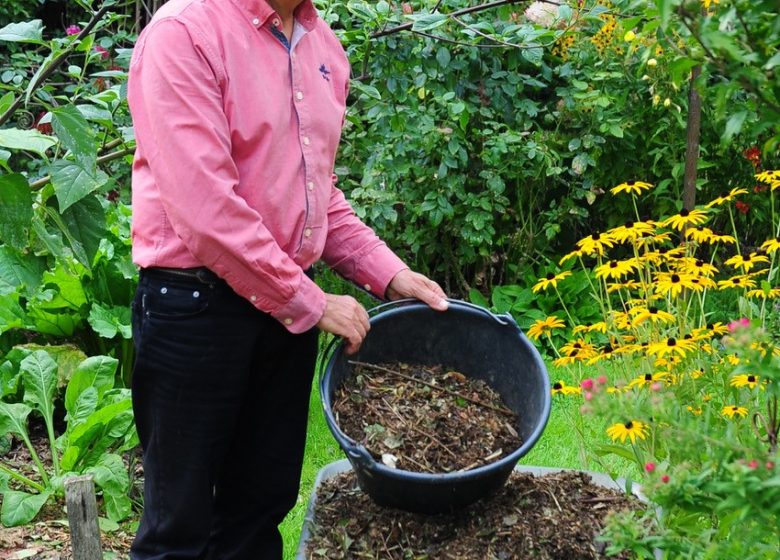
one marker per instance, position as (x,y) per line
(427,419)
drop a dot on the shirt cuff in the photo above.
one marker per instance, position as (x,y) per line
(376,269)
(304,310)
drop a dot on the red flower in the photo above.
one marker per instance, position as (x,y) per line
(104,54)
(72,30)
(44,128)
(649,467)
(760,188)
(743,207)
(665,478)
(753,155)
(753,464)
(587,384)
(407,8)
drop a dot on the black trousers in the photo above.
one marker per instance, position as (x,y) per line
(220,395)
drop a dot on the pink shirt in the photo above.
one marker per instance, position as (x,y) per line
(236,142)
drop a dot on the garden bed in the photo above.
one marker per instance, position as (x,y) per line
(540,513)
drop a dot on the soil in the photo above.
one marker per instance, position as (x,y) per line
(556,516)
(425,419)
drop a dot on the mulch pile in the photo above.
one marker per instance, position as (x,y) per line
(556,516)
(425,419)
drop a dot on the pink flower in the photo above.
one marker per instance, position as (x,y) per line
(753,464)
(602,379)
(72,30)
(655,387)
(770,465)
(665,478)
(649,467)
(104,54)
(588,395)
(587,384)
(739,323)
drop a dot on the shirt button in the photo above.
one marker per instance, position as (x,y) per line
(306,141)
(310,186)
(299,95)
(288,321)
(253,298)
(276,22)
(256,21)
(307,232)
(367,287)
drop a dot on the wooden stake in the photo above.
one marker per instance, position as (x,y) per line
(83,518)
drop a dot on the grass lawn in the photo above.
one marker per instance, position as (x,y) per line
(559,446)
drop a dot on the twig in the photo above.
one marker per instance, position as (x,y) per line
(495,455)
(418,430)
(554,499)
(432,386)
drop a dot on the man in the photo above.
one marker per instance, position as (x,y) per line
(237,108)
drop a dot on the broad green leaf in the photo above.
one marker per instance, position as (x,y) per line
(13,418)
(443,57)
(624,452)
(370,91)
(15,210)
(108,321)
(733,126)
(12,316)
(73,180)
(20,507)
(76,135)
(533,54)
(111,475)
(427,22)
(68,285)
(85,223)
(54,323)
(30,140)
(96,114)
(21,271)
(99,432)
(39,376)
(84,405)
(50,240)
(23,32)
(9,379)
(67,356)
(6,101)
(95,371)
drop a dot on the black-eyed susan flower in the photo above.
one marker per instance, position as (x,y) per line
(686,218)
(697,267)
(631,231)
(632,187)
(672,283)
(633,430)
(771,245)
(600,326)
(616,270)
(741,282)
(744,380)
(648,379)
(725,239)
(621,320)
(694,411)
(544,326)
(550,279)
(560,388)
(731,410)
(630,285)
(718,328)
(727,197)
(652,314)
(595,244)
(576,254)
(769,176)
(760,293)
(746,262)
(671,345)
(582,347)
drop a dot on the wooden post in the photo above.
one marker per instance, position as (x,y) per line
(83,518)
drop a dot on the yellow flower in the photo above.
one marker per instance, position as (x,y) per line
(627,285)
(633,187)
(550,280)
(730,411)
(718,328)
(655,315)
(672,282)
(560,388)
(772,293)
(694,411)
(744,380)
(700,283)
(651,62)
(632,429)
(671,346)
(595,244)
(629,36)
(771,245)
(648,379)
(736,282)
(722,199)
(699,234)
(600,326)
(573,255)
(746,262)
(542,327)
(697,267)
(686,218)
(707,3)
(769,177)
(728,239)
(586,349)
(616,269)
(631,231)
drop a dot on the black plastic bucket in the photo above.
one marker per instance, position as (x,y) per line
(469,339)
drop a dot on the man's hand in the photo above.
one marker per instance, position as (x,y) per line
(408,283)
(346,318)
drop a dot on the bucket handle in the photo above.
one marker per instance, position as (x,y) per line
(504,319)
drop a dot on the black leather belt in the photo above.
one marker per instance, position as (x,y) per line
(200,274)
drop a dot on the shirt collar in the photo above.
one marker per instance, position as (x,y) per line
(305,13)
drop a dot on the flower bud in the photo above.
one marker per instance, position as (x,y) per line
(667,102)
(665,478)
(649,467)
(652,62)
(587,384)
(602,379)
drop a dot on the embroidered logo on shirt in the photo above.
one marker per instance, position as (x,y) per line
(324,71)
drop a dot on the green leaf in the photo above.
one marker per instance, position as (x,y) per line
(370,91)
(12,316)
(443,57)
(23,32)
(111,475)
(733,126)
(15,210)
(76,135)
(426,22)
(85,223)
(533,54)
(9,379)
(67,356)
(39,375)
(73,180)
(95,371)
(13,418)
(108,321)
(21,270)
(83,406)
(30,140)
(20,507)
(6,101)
(69,288)
(624,452)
